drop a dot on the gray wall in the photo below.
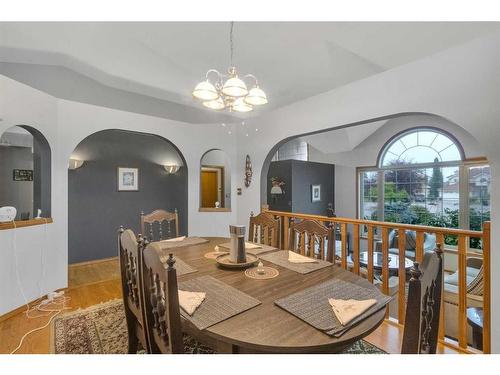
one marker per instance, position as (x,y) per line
(97,209)
(305,174)
(282,170)
(16,193)
(298,177)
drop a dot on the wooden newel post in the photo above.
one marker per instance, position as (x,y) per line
(173,317)
(487,287)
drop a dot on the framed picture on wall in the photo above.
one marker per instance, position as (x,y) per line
(22,174)
(128,179)
(315,193)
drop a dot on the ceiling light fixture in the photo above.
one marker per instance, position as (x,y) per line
(229,91)
(172,168)
(75,163)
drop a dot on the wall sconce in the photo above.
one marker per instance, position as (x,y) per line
(75,164)
(171,168)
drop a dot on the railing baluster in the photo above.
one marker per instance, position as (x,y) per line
(286,229)
(370,253)
(462,291)
(385,265)
(419,247)
(343,237)
(402,275)
(355,254)
(486,288)
(441,329)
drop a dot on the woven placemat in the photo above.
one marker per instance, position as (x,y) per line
(269,273)
(280,258)
(262,249)
(311,304)
(181,267)
(188,241)
(221,302)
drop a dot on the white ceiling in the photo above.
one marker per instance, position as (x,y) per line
(292,60)
(342,140)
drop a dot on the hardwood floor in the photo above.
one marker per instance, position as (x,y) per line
(93,283)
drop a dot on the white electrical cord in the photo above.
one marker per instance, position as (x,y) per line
(58,299)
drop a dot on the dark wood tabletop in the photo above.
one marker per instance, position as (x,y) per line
(268,328)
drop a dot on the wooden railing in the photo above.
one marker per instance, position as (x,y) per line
(375,237)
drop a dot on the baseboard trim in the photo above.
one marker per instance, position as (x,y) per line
(22,308)
(90,262)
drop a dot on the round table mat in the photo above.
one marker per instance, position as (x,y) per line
(269,273)
(214,254)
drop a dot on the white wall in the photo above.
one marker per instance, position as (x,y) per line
(65,124)
(461,85)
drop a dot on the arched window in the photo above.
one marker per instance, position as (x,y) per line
(421,178)
(421,146)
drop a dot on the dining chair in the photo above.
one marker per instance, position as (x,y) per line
(152,225)
(264,229)
(130,254)
(420,334)
(166,331)
(312,239)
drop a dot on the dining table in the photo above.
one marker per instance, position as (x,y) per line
(267,328)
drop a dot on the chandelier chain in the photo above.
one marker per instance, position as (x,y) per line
(231,42)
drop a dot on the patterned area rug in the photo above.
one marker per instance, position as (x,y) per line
(101,329)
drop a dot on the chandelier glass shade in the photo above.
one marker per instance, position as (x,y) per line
(205,91)
(228,91)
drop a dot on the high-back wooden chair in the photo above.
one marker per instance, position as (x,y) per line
(424,305)
(264,229)
(130,254)
(161,303)
(312,239)
(157,225)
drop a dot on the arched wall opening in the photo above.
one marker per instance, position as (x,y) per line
(25,171)
(215,180)
(358,145)
(119,174)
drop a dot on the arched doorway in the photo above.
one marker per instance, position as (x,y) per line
(115,175)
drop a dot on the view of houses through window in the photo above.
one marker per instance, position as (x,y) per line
(423,180)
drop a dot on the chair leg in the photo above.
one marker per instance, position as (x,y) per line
(132,344)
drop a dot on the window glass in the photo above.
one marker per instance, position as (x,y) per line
(420,146)
(369,195)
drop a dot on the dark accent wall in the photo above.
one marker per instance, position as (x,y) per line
(282,170)
(305,174)
(16,193)
(97,208)
(298,177)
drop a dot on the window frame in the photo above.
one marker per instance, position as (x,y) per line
(395,138)
(463,195)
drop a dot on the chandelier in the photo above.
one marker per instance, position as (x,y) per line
(229,91)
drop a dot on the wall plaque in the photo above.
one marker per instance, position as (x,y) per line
(23,174)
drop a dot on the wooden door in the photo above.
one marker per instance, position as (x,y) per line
(209,188)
